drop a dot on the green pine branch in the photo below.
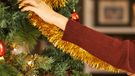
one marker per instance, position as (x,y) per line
(15,28)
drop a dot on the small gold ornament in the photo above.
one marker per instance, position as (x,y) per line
(30,63)
(2,59)
(18,49)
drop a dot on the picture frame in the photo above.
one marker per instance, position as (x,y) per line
(113,13)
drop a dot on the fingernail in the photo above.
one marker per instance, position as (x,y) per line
(22,10)
(19,7)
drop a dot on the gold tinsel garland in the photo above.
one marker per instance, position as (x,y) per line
(54,35)
(56,3)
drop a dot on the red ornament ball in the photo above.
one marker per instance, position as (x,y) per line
(75,16)
(2,48)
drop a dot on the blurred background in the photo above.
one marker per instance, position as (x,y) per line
(115,18)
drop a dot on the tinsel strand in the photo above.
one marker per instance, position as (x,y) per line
(54,35)
(56,3)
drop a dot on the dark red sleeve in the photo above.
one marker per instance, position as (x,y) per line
(118,53)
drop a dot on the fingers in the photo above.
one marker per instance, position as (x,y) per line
(29,8)
(130,74)
(19,1)
(24,3)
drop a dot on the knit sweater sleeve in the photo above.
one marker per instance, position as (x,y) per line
(119,53)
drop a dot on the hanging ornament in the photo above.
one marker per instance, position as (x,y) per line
(75,16)
(54,35)
(2,48)
(2,60)
(2,51)
(30,63)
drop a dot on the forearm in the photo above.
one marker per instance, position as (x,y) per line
(60,20)
(111,50)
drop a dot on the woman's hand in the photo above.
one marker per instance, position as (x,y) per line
(44,12)
(130,74)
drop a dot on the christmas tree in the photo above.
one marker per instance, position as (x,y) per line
(20,50)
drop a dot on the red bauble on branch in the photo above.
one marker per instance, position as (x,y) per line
(75,16)
(2,49)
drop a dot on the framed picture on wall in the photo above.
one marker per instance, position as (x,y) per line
(113,12)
